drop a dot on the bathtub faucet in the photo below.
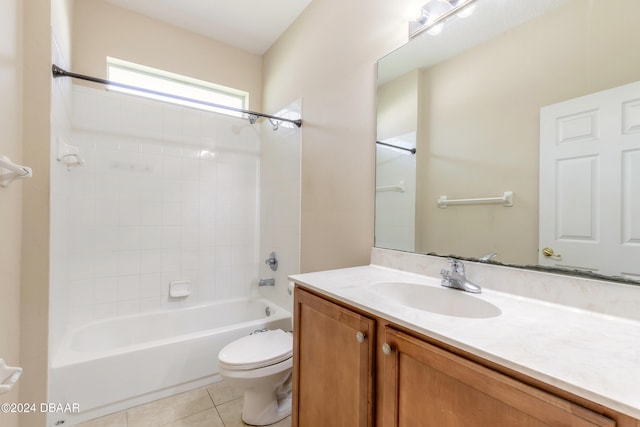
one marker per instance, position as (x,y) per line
(267,282)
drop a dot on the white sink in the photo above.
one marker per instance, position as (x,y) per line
(444,301)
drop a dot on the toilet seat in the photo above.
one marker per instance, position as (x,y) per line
(257,351)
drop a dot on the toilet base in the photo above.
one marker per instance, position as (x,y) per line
(262,407)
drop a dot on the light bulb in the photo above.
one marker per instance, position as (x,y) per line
(436,29)
(467,11)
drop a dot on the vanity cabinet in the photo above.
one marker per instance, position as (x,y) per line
(353,369)
(333,364)
(424,385)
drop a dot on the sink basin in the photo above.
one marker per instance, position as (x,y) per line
(444,301)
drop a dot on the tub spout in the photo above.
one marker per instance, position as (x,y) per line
(267,282)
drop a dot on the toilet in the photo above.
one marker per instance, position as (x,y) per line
(260,365)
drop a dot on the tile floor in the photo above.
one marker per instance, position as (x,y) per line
(216,405)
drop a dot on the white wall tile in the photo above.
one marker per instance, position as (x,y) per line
(189,259)
(128,307)
(106,211)
(151,188)
(151,237)
(81,266)
(170,260)
(151,261)
(128,288)
(190,236)
(151,213)
(171,190)
(168,193)
(107,238)
(150,304)
(106,264)
(129,238)
(171,236)
(105,290)
(81,293)
(150,285)
(128,263)
(172,129)
(103,311)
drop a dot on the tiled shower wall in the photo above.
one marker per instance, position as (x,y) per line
(395,210)
(167,193)
(280,204)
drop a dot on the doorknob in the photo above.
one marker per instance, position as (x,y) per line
(549,253)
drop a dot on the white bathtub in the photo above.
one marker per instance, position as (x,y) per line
(113,364)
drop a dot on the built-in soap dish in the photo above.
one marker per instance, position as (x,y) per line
(8,376)
(180,289)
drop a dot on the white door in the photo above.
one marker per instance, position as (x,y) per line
(590,183)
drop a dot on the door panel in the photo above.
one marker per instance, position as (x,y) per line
(332,365)
(590,182)
(427,386)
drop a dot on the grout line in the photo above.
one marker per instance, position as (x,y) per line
(220,416)
(190,415)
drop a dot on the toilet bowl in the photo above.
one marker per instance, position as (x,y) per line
(260,366)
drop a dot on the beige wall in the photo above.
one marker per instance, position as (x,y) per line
(397,110)
(35,226)
(327,57)
(479,128)
(102,29)
(10,197)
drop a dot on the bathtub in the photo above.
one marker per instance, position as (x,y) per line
(110,365)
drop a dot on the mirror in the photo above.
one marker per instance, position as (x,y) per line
(479,102)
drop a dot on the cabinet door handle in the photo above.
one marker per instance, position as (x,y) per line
(360,336)
(386,349)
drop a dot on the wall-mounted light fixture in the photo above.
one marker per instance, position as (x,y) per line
(434,13)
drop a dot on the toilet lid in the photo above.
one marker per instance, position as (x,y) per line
(257,350)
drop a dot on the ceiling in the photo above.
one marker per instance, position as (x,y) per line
(251,25)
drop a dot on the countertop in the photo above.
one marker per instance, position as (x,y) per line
(589,354)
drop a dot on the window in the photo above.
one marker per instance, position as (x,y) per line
(174,84)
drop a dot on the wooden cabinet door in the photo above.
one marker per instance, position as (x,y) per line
(427,386)
(333,357)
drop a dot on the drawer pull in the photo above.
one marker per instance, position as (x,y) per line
(386,349)
(360,337)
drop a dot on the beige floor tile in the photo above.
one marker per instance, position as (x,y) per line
(284,423)
(118,419)
(222,392)
(170,409)
(231,414)
(208,418)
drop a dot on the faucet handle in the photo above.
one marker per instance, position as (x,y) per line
(456,265)
(272,261)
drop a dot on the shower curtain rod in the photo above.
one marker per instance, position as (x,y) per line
(411,150)
(253,115)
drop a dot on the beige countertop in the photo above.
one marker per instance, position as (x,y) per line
(590,354)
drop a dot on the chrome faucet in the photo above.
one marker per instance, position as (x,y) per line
(456,279)
(267,282)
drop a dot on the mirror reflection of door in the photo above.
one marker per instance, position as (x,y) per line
(590,183)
